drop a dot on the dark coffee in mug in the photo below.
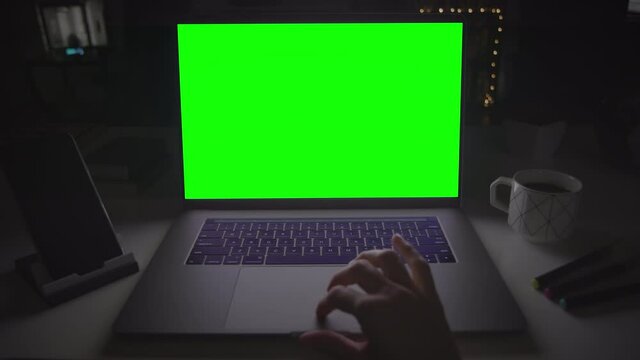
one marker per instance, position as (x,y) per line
(545,187)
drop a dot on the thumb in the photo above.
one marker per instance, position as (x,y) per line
(335,344)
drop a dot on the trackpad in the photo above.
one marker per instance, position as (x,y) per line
(283,300)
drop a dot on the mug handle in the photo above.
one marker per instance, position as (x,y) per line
(493,198)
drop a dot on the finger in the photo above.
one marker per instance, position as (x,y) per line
(359,272)
(340,298)
(391,265)
(335,344)
(420,270)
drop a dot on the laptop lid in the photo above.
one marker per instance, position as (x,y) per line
(321,111)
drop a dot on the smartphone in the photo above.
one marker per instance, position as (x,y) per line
(61,206)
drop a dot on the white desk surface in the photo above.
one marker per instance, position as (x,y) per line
(81,328)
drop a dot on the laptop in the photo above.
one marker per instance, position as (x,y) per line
(307,140)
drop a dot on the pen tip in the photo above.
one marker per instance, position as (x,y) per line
(563,303)
(535,284)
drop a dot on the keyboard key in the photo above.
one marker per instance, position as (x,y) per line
(411,241)
(239,250)
(393,225)
(209,227)
(348,251)
(317,234)
(355,242)
(338,242)
(305,260)
(292,226)
(286,242)
(257,250)
(276,250)
(214,260)
(423,240)
(195,259)
(293,250)
(351,233)
(303,242)
(268,242)
(308,226)
(385,233)
(334,233)
(259,226)
(210,250)
(415,232)
(446,258)
(275,226)
(231,234)
(341,225)
(233,242)
(266,234)
(210,242)
(368,233)
(227,226)
(358,225)
(232,260)
(433,249)
(362,249)
(321,242)
(210,234)
(250,242)
(253,260)
(374,225)
(311,250)
(427,225)
(243,227)
(250,234)
(408,225)
(330,250)
(283,234)
(210,221)
(325,225)
(435,233)
(373,242)
(303,234)
(431,259)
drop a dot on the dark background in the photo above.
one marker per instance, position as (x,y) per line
(560,60)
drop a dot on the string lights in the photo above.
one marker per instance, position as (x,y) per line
(497,13)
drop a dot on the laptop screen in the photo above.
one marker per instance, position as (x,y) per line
(320,110)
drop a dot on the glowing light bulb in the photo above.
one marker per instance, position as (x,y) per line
(499,29)
(500,17)
(440,10)
(421,11)
(470,11)
(496,41)
(493,76)
(493,64)
(481,10)
(498,10)
(453,10)
(492,87)
(495,52)
(493,11)
(459,11)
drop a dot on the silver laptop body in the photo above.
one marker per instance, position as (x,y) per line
(173,297)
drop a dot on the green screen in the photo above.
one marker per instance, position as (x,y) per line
(320,110)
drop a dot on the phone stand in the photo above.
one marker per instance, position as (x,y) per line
(56,291)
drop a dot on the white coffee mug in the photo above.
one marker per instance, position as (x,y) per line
(542,204)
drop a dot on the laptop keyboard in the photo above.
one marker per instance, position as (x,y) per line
(305,242)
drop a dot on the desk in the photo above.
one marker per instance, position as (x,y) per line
(81,328)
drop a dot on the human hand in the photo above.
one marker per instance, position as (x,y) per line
(400,314)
